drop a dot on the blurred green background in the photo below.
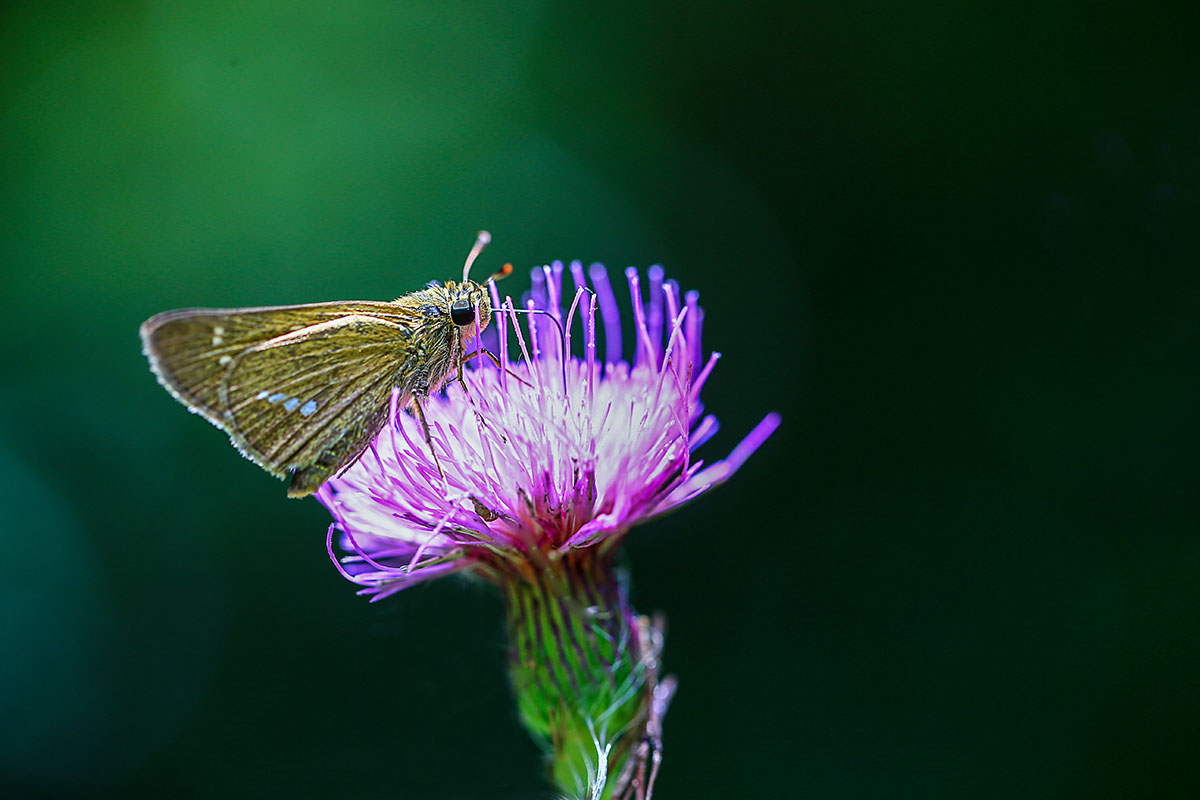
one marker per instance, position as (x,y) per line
(956,247)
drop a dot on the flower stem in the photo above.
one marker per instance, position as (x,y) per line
(585,670)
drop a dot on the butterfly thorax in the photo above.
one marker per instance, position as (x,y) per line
(444,324)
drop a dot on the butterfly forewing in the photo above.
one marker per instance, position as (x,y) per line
(327,370)
(191,350)
(315,395)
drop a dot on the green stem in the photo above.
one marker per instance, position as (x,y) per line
(584,670)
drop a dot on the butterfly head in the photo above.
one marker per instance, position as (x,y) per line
(466,299)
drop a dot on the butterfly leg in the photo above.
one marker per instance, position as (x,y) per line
(470,398)
(496,361)
(463,383)
(416,402)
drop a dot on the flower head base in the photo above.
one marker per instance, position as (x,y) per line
(546,456)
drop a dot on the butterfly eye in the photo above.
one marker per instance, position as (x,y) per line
(462,312)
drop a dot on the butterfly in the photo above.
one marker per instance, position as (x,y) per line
(303,390)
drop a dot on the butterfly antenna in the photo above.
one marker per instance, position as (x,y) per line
(503,272)
(481,241)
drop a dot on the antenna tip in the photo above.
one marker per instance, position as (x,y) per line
(503,272)
(481,242)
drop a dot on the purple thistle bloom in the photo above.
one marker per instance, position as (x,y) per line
(542,468)
(546,456)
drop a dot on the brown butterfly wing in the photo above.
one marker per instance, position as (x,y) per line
(310,401)
(191,350)
(344,357)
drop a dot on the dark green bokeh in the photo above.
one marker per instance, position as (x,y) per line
(958,250)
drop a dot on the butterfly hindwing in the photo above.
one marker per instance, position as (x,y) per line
(311,400)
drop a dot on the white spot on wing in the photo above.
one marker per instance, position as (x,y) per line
(261,396)
(275,398)
(223,360)
(308,408)
(291,404)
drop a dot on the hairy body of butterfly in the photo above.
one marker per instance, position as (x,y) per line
(304,390)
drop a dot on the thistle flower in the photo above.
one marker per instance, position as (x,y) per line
(543,466)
